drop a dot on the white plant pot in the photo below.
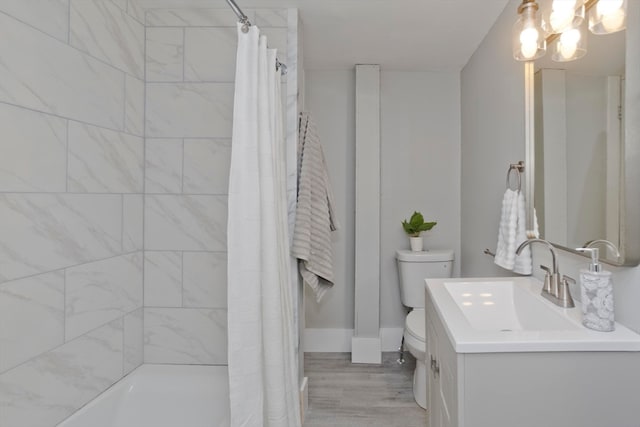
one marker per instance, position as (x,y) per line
(416,243)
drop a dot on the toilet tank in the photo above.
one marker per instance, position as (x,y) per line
(414,267)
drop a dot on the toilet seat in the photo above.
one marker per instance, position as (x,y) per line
(415,324)
(415,342)
(415,334)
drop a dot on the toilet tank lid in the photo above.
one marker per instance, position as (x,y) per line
(441,255)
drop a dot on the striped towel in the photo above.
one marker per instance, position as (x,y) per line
(315,215)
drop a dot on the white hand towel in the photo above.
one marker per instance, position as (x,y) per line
(523,262)
(507,230)
(512,232)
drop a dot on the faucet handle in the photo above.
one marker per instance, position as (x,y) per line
(547,279)
(564,294)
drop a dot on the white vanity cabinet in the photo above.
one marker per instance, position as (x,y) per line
(442,371)
(493,385)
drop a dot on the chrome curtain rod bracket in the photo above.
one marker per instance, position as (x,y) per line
(245,25)
(244,20)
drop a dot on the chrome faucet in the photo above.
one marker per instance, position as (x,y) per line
(555,289)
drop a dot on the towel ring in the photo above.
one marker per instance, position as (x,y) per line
(518,168)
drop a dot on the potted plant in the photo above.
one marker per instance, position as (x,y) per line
(414,227)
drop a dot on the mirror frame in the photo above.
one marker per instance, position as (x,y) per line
(630,238)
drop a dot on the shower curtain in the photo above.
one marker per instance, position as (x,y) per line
(262,361)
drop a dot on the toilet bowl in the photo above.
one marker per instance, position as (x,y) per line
(415,341)
(413,269)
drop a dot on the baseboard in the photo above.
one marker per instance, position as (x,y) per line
(318,340)
(391,338)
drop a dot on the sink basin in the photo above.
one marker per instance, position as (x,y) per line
(508,314)
(504,306)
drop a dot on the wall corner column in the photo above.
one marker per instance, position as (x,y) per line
(366,343)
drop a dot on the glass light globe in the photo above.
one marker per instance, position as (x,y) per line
(608,16)
(562,14)
(613,21)
(560,19)
(606,7)
(572,44)
(529,42)
(568,43)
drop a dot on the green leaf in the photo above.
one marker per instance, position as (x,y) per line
(416,225)
(417,219)
(427,226)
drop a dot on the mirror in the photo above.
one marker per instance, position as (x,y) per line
(586,138)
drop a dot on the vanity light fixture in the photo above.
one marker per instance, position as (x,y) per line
(529,42)
(562,24)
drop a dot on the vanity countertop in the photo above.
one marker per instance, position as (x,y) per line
(507,314)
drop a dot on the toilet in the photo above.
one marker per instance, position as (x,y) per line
(413,268)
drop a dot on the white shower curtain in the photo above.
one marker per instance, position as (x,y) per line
(262,361)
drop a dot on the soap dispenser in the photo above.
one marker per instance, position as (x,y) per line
(596,289)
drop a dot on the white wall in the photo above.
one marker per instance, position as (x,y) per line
(330,97)
(420,170)
(493,136)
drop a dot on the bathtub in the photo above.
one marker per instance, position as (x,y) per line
(161,396)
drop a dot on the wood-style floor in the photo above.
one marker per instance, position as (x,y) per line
(342,394)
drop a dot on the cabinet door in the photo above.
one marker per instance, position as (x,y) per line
(447,383)
(442,381)
(434,402)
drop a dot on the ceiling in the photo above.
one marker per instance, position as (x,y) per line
(397,34)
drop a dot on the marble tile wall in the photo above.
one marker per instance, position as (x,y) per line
(190,71)
(71,204)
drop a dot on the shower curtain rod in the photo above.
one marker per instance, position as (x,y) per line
(243,19)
